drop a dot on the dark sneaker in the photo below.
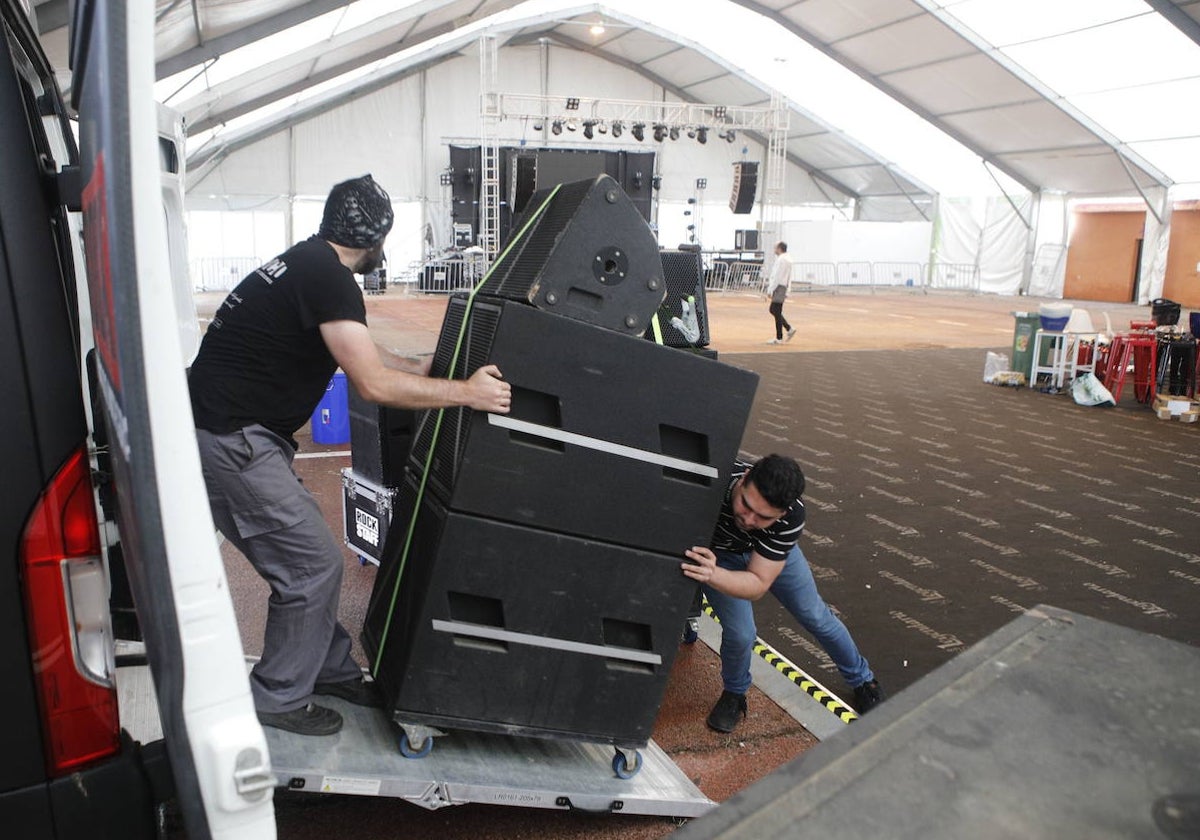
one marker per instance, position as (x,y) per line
(307,720)
(867,696)
(359,692)
(728,712)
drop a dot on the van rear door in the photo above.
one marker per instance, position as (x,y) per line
(217,750)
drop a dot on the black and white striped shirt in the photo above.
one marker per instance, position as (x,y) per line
(773,542)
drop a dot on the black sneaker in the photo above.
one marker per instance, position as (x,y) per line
(307,720)
(867,696)
(359,692)
(728,712)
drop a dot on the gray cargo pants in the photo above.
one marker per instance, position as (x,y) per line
(261,507)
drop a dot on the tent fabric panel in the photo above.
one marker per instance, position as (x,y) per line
(368,134)
(909,43)
(1083,170)
(955,85)
(833,20)
(1025,126)
(262,169)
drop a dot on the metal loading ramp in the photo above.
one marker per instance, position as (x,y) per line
(364,759)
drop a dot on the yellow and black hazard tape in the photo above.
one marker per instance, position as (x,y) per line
(806,683)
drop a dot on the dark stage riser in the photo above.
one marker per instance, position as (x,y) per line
(610,437)
(589,255)
(502,628)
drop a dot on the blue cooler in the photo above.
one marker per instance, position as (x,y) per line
(331,417)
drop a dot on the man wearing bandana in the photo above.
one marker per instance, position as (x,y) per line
(263,367)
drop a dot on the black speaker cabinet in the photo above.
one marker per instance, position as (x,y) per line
(500,628)
(589,255)
(380,439)
(745,182)
(745,240)
(610,436)
(684,274)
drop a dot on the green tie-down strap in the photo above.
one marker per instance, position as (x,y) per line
(437,427)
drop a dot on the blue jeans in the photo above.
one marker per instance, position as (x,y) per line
(797,591)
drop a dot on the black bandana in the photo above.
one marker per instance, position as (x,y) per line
(358,214)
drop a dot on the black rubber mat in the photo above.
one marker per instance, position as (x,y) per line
(940,507)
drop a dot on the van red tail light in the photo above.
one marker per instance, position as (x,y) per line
(66,601)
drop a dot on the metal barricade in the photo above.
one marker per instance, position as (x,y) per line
(958,277)
(898,274)
(220,274)
(446,276)
(814,276)
(855,274)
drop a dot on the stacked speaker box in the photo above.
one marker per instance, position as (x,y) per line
(505,628)
(684,275)
(582,250)
(530,583)
(638,437)
(380,438)
(745,182)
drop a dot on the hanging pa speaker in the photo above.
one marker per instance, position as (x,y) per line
(683,316)
(496,627)
(609,437)
(745,182)
(582,250)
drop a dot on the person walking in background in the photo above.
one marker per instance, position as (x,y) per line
(777,291)
(263,367)
(753,552)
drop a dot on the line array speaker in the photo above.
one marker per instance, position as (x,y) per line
(589,256)
(745,182)
(502,628)
(609,437)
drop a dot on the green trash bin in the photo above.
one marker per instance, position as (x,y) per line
(1022,349)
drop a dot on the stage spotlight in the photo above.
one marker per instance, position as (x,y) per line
(730,135)
(447,178)
(660,131)
(617,129)
(701,183)
(587,128)
(656,182)
(572,103)
(556,127)
(571,124)
(674,132)
(719,112)
(691,133)
(639,131)
(702,134)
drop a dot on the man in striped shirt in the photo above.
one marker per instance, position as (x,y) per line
(754,551)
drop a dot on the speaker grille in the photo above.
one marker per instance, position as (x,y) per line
(477,343)
(685,278)
(523,266)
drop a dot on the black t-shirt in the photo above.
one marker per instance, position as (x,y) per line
(773,542)
(262,359)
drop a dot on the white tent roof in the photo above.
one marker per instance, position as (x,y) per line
(963,65)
